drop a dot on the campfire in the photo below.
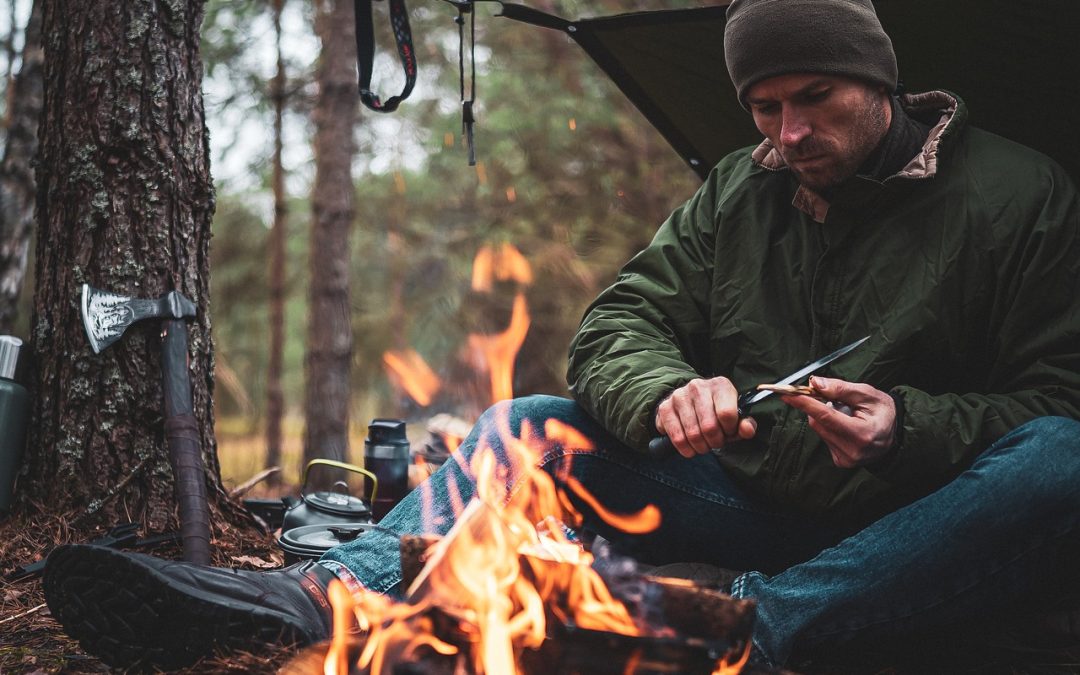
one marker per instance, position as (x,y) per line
(507,590)
(510,589)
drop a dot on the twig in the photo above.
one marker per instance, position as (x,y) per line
(97,504)
(242,488)
(19,616)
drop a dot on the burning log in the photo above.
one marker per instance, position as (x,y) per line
(414,556)
(698,628)
(704,612)
(694,626)
(688,608)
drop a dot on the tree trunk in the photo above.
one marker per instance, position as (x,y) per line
(329,347)
(125,201)
(275,403)
(16,172)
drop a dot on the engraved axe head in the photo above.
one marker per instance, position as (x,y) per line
(107,315)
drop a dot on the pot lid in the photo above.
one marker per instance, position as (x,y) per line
(320,538)
(337,501)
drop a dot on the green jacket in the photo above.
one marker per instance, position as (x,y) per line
(964,268)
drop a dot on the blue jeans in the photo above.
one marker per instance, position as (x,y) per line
(985,542)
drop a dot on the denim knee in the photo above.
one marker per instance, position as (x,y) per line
(510,415)
(1044,454)
(542,406)
(535,409)
(1061,430)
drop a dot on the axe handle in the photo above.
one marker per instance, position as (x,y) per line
(184,443)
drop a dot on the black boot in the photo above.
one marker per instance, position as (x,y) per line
(131,609)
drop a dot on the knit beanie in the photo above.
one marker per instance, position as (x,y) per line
(765,38)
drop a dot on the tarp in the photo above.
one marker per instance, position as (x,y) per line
(1016,63)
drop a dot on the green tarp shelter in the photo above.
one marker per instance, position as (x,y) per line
(1015,62)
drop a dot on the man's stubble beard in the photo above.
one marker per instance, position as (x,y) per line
(867,131)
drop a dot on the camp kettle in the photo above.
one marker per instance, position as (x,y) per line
(334,506)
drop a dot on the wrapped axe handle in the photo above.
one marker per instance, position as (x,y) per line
(184,444)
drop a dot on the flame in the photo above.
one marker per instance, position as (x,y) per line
(452,441)
(503,263)
(410,372)
(495,352)
(725,668)
(647,520)
(500,350)
(337,656)
(507,566)
(566,435)
(501,571)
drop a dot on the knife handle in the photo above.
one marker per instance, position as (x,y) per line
(662,445)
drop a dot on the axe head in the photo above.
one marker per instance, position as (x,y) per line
(107,315)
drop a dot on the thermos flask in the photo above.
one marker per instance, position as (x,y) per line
(14,407)
(386,454)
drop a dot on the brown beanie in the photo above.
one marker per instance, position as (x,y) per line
(765,38)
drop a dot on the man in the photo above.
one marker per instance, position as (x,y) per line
(940,480)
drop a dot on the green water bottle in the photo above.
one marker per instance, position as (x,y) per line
(14,409)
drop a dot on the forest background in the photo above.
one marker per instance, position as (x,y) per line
(567,171)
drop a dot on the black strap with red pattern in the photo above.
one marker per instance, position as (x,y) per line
(365,53)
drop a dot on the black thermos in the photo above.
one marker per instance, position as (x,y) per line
(386,454)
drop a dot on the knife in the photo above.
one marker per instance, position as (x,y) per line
(662,445)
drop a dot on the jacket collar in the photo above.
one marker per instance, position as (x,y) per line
(944,110)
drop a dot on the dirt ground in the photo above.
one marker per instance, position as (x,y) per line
(31,642)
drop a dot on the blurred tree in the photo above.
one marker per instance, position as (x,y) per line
(124,203)
(242,102)
(275,403)
(238,258)
(16,172)
(330,338)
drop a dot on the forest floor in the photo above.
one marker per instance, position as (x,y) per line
(32,642)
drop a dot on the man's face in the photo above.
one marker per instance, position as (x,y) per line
(824,126)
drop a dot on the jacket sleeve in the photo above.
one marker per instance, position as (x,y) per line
(644,335)
(1033,344)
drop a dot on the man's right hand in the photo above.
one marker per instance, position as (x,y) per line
(703,415)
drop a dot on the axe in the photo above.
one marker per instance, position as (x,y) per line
(106,316)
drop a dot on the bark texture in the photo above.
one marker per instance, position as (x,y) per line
(124,203)
(275,399)
(330,340)
(16,170)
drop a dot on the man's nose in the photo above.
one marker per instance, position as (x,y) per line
(794,128)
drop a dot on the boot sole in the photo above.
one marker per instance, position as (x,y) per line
(128,614)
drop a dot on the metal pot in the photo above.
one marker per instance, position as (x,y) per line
(309,542)
(329,507)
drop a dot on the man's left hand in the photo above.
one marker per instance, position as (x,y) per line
(858,438)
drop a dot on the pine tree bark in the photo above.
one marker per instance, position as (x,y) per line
(16,171)
(330,341)
(275,398)
(124,203)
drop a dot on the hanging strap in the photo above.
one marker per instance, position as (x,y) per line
(365,53)
(467,118)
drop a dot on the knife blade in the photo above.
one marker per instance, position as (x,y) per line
(662,444)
